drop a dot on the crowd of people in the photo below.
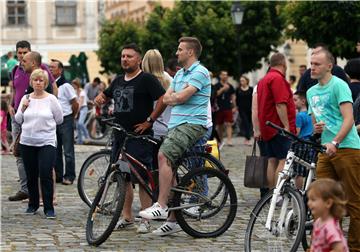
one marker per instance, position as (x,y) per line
(180,104)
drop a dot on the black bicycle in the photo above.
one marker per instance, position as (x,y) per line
(93,170)
(209,190)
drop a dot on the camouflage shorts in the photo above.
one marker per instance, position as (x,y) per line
(180,139)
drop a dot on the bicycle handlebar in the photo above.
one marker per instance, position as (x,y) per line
(284,132)
(133,135)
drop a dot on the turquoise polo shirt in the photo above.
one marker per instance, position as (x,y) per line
(324,103)
(194,110)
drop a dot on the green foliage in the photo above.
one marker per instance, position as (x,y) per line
(211,22)
(113,35)
(337,24)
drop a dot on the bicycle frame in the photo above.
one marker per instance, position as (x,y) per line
(284,177)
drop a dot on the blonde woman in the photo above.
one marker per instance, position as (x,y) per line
(153,63)
(38,114)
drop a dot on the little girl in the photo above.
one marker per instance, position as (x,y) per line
(326,200)
(3,122)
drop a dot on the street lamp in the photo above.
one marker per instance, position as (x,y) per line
(237,14)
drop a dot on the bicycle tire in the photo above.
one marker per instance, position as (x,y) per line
(198,226)
(98,134)
(294,221)
(202,159)
(113,212)
(89,179)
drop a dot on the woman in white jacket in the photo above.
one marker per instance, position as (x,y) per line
(38,114)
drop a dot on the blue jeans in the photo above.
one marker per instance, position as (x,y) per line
(199,147)
(65,139)
(81,129)
(38,162)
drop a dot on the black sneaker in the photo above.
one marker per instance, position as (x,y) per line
(30,211)
(50,214)
(19,196)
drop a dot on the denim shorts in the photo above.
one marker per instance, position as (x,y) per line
(180,139)
(277,147)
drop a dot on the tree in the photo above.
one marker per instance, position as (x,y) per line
(209,21)
(337,24)
(113,35)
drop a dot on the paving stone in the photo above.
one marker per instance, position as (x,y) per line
(67,232)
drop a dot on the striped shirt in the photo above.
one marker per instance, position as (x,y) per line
(194,110)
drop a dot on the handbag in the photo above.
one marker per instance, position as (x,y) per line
(255,170)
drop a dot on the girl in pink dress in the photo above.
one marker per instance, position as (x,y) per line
(326,200)
(4,141)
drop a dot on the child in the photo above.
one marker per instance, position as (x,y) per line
(304,130)
(326,200)
(3,119)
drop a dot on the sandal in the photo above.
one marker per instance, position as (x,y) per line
(123,223)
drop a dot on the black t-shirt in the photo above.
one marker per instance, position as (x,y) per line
(244,99)
(134,99)
(355,89)
(224,100)
(306,82)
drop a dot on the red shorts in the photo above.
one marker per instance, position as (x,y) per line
(224,116)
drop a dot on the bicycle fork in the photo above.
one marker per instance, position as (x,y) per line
(279,185)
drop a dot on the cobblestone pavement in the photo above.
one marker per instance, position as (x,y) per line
(67,233)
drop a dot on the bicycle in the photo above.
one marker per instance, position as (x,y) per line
(281,219)
(190,192)
(93,171)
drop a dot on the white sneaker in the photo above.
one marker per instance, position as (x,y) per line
(144,227)
(155,212)
(193,210)
(167,228)
(122,224)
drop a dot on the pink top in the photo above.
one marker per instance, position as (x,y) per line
(325,234)
(4,120)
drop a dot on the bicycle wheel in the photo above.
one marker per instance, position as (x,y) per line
(306,239)
(97,133)
(213,215)
(196,160)
(92,175)
(281,237)
(105,210)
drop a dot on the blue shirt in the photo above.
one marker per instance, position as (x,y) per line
(303,121)
(324,102)
(194,110)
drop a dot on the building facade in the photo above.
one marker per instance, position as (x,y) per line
(56,29)
(133,10)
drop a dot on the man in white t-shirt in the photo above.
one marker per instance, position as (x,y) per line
(65,131)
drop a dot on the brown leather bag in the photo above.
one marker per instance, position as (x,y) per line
(16,146)
(255,175)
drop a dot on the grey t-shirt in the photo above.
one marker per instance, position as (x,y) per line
(91,91)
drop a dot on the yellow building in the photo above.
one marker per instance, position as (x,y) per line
(134,10)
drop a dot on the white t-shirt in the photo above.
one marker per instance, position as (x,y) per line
(85,98)
(38,122)
(65,94)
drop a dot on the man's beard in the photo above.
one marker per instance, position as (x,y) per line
(130,69)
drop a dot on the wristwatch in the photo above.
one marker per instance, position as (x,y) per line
(150,120)
(336,144)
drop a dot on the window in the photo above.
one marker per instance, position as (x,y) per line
(16,12)
(65,12)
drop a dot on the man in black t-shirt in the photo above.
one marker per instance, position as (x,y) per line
(134,94)
(226,101)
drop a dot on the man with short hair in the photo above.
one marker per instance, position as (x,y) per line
(189,94)
(330,105)
(306,82)
(92,89)
(65,131)
(21,81)
(134,94)
(302,69)
(275,104)
(226,101)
